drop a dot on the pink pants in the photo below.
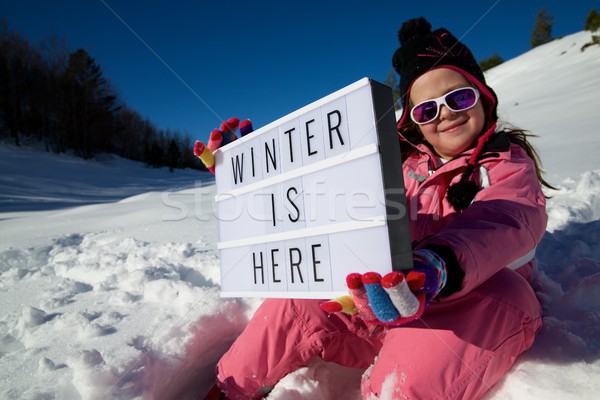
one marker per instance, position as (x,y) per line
(458,350)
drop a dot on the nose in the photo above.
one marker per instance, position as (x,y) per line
(445,112)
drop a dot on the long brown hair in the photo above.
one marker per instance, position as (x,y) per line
(521,137)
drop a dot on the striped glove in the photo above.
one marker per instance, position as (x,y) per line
(220,137)
(396,298)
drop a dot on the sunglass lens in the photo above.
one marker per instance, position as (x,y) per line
(425,112)
(461,99)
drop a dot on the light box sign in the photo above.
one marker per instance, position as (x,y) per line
(312,197)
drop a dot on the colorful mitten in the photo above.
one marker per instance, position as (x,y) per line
(215,140)
(228,128)
(246,127)
(205,155)
(396,298)
(220,138)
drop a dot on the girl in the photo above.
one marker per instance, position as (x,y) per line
(478,212)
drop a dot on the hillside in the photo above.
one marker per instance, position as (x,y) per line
(109,271)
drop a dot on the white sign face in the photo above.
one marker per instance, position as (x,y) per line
(312,197)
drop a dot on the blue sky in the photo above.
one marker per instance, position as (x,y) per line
(187,65)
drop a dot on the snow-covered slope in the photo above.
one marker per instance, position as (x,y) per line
(550,91)
(116,297)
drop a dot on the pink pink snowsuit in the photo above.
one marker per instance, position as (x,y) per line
(465,342)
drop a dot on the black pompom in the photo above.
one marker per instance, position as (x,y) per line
(412,28)
(461,194)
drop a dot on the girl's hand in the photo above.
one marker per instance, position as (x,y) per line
(220,137)
(396,298)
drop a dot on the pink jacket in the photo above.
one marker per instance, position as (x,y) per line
(501,228)
(464,343)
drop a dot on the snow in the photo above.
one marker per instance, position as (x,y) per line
(536,88)
(109,273)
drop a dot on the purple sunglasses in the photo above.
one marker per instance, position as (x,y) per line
(460,99)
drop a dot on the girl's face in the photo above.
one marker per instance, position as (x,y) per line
(451,132)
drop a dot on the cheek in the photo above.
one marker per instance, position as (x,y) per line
(429,131)
(478,117)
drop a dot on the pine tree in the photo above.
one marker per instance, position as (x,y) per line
(156,155)
(173,155)
(91,105)
(542,30)
(16,58)
(592,22)
(491,62)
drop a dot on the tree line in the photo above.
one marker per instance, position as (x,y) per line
(62,99)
